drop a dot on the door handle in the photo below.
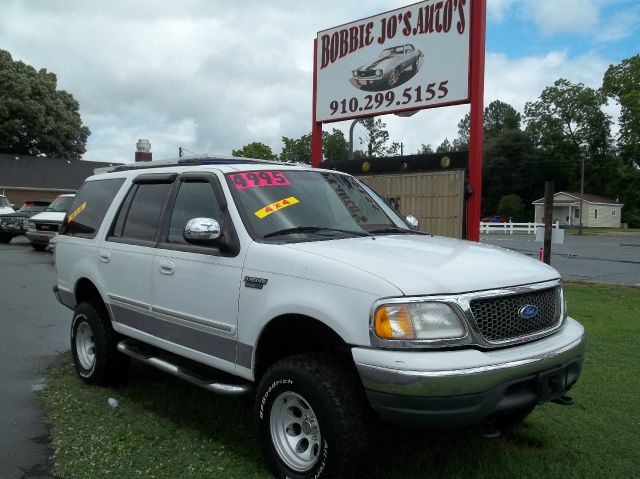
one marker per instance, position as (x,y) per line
(105,256)
(167,267)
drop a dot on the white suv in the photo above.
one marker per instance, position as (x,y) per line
(305,288)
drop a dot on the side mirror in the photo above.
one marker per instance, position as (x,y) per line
(201,230)
(13,205)
(413,222)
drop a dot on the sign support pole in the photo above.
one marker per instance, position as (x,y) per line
(316,127)
(478,29)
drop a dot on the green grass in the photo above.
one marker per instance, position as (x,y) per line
(602,231)
(165,428)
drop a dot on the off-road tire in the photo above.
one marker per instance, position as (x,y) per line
(331,387)
(39,247)
(5,238)
(108,366)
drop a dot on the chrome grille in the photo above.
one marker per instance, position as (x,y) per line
(366,73)
(498,318)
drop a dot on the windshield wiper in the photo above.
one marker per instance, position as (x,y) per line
(396,230)
(312,229)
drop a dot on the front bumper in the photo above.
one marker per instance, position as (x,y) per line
(461,387)
(40,237)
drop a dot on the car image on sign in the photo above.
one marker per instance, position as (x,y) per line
(393,66)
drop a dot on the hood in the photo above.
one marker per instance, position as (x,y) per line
(17,214)
(379,63)
(5,210)
(52,216)
(425,265)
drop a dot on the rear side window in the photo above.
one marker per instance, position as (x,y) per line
(139,217)
(89,207)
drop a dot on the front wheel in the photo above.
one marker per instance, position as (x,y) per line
(94,346)
(313,419)
(5,238)
(394,77)
(39,247)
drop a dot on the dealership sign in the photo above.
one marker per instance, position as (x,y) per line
(406,59)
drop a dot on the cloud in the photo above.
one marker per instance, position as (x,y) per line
(213,76)
(497,9)
(553,16)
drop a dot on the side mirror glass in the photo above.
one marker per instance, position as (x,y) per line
(201,229)
(413,222)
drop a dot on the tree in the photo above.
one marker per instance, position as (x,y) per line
(622,83)
(377,138)
(511,208)
(497,117)
(296,150)
(35,117)
(425,149)
(255,150)
(567,122)
(334,147)
(445,147)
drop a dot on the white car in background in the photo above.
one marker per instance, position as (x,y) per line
(5,206)
(41,228)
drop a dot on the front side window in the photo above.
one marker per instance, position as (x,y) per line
(195,199)
(309,205)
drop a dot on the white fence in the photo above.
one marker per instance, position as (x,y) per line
(509,228)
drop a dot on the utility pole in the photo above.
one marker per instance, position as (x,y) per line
(179,152)
(582,155)
(548,218)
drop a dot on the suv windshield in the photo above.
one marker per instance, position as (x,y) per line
(61,204)
(4,202)
(309,205)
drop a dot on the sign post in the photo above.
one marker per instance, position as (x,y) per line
(426,55)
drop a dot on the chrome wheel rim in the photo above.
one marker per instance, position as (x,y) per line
(85,346)
(295,431)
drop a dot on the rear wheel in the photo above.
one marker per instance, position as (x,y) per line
(94,346)
(313,419)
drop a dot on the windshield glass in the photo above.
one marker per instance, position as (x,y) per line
(32,208)
(308,205)
(4,202)
(391,51)
(61,204)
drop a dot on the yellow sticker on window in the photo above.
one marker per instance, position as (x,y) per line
(278,205)
(76,212)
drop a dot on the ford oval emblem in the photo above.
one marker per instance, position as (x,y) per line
(528,312)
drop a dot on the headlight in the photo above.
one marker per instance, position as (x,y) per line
(31,226)
(378,73)
(424,320)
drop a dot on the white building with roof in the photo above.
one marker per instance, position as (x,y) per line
(599,212)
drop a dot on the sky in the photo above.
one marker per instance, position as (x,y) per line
(214,75)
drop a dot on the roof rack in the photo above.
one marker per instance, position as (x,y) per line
(191,161)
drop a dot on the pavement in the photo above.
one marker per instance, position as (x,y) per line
(34,331)
(612,259)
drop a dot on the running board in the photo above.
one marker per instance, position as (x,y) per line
(137,351)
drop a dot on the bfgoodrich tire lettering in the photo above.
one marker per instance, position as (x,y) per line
(93,346)
(329,418)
